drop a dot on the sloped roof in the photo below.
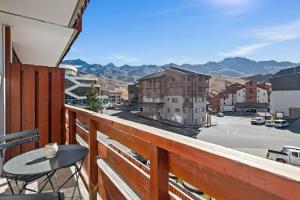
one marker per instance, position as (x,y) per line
(151,76)
(188,71)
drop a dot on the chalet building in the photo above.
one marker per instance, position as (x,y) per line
(285,97)
(175,95)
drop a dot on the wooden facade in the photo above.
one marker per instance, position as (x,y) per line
(36,100)
(217,171)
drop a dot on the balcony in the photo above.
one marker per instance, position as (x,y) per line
(217,171)
(113,173)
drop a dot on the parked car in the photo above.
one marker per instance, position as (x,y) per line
(269,123)
(288,154)
(252,110)
(280,123)
(258,121)
(220,114)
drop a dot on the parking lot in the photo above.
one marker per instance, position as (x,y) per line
(236,132)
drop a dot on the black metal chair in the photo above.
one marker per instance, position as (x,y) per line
(16,139)
(44,196)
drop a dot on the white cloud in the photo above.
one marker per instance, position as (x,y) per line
(243,50)
(279,33)
(267,36)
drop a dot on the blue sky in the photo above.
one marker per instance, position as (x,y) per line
(139,32)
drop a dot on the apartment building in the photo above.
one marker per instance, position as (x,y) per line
(228,98)
(238,97)
(175,95)
(77,88)
(285,97)
(114,97)
(252,96)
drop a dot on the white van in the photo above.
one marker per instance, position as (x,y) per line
(280,123)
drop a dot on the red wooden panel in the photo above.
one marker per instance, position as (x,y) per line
(56,107)
(42,112)
(28,102)
(15,100)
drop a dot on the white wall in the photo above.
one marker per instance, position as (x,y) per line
(262,95)
(2,96)
(281,101)
(198,113)
(241,95)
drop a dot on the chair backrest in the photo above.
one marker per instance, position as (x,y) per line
(17,139)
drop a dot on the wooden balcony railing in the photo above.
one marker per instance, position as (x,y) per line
(217,171)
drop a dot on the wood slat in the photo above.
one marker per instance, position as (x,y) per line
(137,145)
(15,111)
(114,186)
(173,188)
(82,119)
(42,81)
(137,179)
(92,160)
(159,173)
(82,133)
(71,138)
(28,102)
(56,107)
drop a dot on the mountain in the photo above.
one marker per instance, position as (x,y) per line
(234,67)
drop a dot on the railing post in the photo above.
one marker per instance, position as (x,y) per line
(92,160)
(72,127)
(159,173)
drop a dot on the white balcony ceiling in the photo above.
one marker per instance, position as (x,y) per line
(41,31)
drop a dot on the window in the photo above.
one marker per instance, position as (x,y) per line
(184,110)
(203,119)
(177,110)
(174,100)
(295,154)
(202,109)
(168,109)
(196,110)
(186,100)
(168,99)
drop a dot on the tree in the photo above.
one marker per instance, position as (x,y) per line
(93,103)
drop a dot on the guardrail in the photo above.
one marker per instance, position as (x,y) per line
(217,171)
